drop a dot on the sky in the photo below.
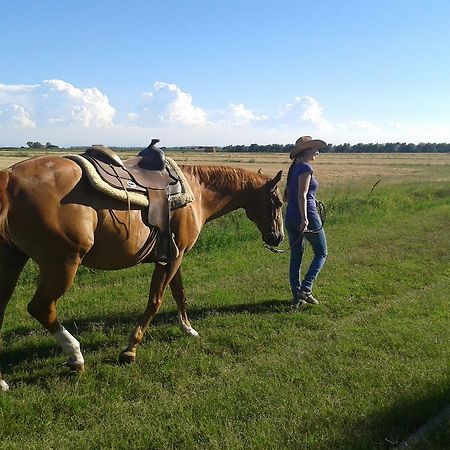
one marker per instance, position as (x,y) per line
(223,72)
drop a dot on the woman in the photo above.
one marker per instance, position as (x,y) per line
(302,219)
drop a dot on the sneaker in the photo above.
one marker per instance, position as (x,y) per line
(297,303)
(308,297)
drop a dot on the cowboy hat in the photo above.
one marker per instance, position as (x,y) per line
(304,143)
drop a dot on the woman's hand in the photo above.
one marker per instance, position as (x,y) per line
(304,224)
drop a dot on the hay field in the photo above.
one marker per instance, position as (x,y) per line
(331,169)
(340,170)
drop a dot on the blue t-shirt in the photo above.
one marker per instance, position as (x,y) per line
(293,208)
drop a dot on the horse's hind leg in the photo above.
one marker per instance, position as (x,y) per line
(12,262)
(176,286)
(54,281)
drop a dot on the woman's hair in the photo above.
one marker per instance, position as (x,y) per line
(286,192)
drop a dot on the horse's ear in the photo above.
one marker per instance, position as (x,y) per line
(272,183)
(260,171)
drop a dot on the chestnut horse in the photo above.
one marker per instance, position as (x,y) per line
(50,213)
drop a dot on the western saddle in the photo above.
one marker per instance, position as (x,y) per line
(147,174)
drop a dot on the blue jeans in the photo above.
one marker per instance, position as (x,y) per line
(318,243)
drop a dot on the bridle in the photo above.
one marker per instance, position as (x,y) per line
(275,204)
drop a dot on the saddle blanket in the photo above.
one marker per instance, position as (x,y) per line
(176,201)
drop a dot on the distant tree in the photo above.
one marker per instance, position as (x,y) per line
(50,145)
(35,144)
(388,147)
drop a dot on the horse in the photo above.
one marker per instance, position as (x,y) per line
(49,212)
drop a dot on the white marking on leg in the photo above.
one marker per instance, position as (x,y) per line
(187,329)
(70,346)
(4,386)
(192,332)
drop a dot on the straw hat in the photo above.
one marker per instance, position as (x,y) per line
(304,143)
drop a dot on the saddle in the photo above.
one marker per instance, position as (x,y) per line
(147,174)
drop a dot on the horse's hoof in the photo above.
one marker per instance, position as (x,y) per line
(192,332)
(75,368)
(188,330)
(127,357)
(3,386)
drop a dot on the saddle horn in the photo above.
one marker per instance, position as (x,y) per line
(153,157)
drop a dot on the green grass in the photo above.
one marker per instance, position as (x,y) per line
(363,370)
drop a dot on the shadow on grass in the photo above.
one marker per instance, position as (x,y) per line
(390,428)
(121,319)
(120,325)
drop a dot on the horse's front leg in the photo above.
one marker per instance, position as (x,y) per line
(160,279)
(176,286)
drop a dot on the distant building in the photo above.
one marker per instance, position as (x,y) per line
(202,148)
(210,149)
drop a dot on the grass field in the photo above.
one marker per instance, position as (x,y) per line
(363,370)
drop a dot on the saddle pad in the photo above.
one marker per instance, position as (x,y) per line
(132,175)
(175,200)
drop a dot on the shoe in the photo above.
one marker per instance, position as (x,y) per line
(298,302)
(308,297)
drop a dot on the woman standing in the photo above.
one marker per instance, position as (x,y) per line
(302,219)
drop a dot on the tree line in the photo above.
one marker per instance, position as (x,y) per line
(37,144)
(389,147)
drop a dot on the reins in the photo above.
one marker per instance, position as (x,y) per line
(279,252)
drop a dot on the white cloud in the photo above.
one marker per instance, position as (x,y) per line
(54,103)
(67,105)
(241,113)
(16,117)
(168,104)
(304,110)
(13,92)
(57,111)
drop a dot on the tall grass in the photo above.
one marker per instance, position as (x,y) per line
(362,370)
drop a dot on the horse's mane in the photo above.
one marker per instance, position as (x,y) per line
(226,179)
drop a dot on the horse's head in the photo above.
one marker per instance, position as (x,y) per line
(265,211)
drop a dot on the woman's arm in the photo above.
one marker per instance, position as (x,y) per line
(303,186)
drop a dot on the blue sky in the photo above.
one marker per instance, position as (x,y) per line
(224,72)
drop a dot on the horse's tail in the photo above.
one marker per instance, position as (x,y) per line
(4,206)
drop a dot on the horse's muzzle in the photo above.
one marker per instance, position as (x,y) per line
(274,239)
